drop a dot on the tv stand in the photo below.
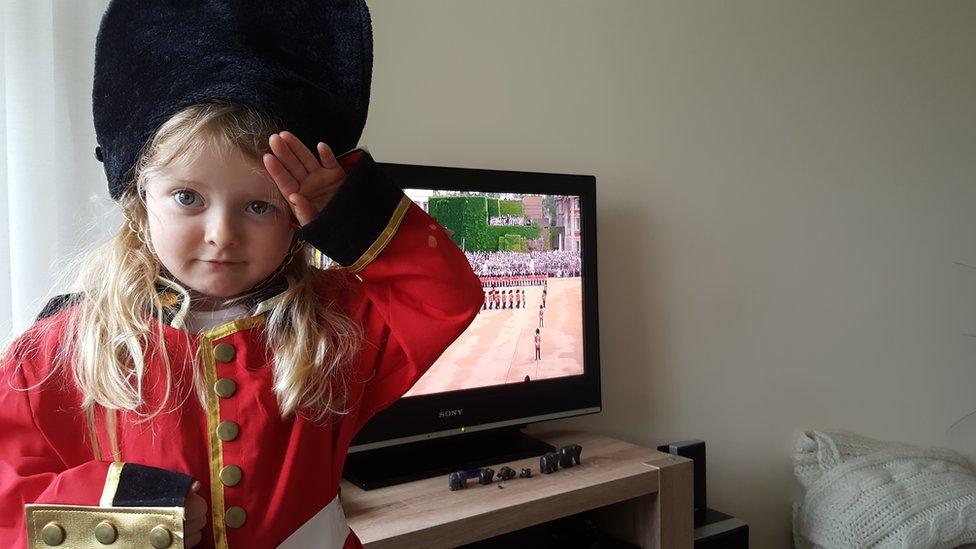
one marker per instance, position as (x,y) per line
(637,495)
(384,467)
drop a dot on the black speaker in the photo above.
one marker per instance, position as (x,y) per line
(694,450)
(713,529)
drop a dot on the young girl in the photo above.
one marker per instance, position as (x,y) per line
(202,385)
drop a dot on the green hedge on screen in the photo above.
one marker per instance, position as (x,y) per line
(511,207)
(467,217)
(511,243)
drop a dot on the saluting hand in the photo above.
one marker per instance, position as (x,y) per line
(306,183)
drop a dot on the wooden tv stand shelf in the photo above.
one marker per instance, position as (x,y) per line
(637,495)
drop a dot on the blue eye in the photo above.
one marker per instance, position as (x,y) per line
(266,208)
(184,192)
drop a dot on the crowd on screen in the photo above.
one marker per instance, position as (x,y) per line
(506,264)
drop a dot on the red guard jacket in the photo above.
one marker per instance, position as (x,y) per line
(264,478)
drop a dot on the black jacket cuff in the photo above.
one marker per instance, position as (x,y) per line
(357,216)
(144,486)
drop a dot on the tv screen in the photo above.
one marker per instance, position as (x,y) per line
(526,249)
(532,353)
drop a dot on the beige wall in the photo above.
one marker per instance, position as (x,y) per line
(784,191)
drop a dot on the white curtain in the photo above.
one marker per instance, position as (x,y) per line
(53,195)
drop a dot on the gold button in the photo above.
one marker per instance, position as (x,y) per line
(225,388)
(224,352)
(235,517)
(105,533)
(227,431)
(231,475)
(52,533)
(160,537)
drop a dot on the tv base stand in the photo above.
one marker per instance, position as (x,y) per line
(638,495)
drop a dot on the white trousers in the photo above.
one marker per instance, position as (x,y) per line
(326,530)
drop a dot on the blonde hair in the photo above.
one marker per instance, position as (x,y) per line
(107,332)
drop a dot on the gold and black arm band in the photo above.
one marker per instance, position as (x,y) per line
(140,506)
(361,217)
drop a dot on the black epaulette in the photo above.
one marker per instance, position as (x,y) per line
(57,303)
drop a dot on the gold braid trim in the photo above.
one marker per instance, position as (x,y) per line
(111,483)
(384,238)
(208,361)
(76,524)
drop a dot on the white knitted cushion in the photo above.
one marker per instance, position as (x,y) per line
(862,492)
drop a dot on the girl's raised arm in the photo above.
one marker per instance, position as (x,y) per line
(418,292)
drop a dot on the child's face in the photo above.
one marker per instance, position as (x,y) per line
(218,209)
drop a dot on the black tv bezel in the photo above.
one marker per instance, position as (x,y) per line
(558,397)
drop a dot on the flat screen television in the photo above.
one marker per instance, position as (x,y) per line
(531,238)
